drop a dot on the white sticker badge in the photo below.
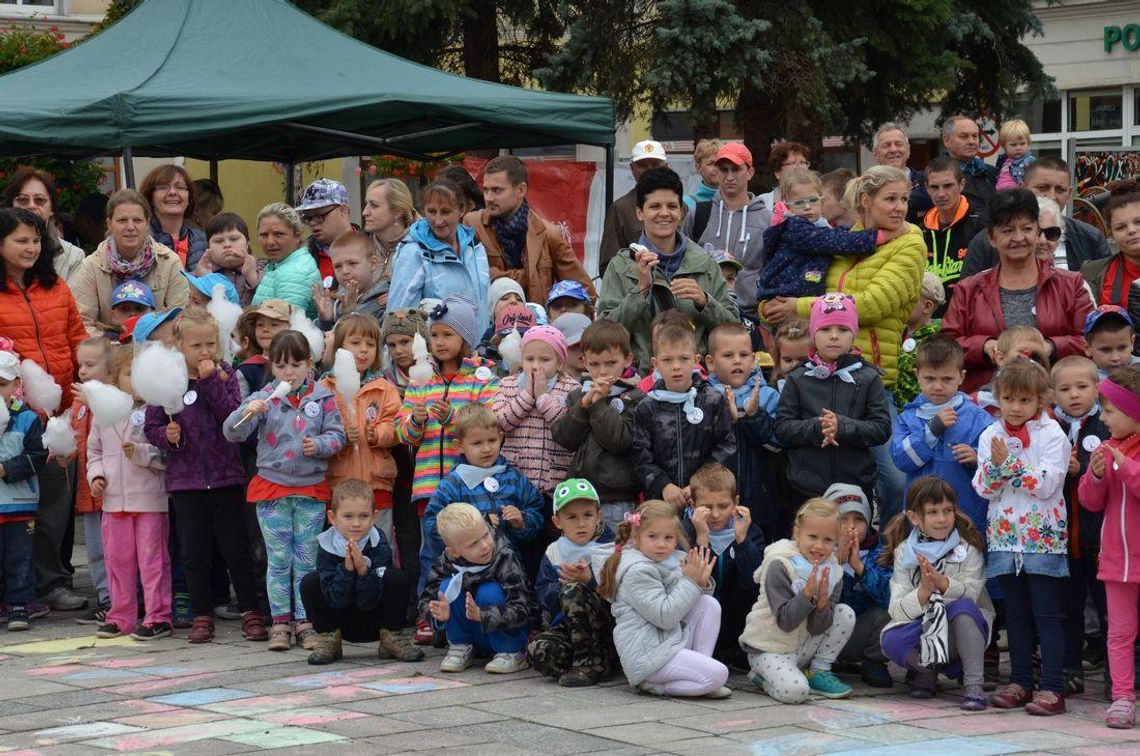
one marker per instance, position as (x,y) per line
(1014,445)
(483,374)
(695,415)
(312,409)
(190,397)
(327,282)
(909,345)
(618,405)
(491,485)
(1090,443)
(138,417)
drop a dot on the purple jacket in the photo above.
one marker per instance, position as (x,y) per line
(204,459)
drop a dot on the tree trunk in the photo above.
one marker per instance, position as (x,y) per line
(754,112)
(481,42)
(705,119)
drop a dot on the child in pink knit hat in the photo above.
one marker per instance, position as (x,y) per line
(833,409)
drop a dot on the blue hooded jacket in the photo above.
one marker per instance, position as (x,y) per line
(547,586)
(425,267)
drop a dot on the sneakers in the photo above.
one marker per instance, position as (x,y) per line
(1121,715)
(974,701)
(923,683)
(722,692)
(425,635)
(824,683)
(18,618)
(109,630)
(153,631)
(1046,703)
(505,664)
(1074,682)
(307,637)
(578,677)
(328,649)
(183,614)
(253,628)
(876,674)
(1012,696)
(96,616)
(201,630)
(395,645)
(62,599)
(280,637)
(458,657)
(230,611)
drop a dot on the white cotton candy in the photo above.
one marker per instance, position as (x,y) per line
(510,349)
(298,321)
(41,392)
(109,405)
(421,371)
(227,314)
(59,438)
(347,378)
(5,416)
(280,390)
(159,377)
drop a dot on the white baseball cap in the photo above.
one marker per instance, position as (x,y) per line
(9,366)
(647,150)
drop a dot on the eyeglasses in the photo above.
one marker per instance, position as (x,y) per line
(1051,233)
(164,188)
(310,218)
(795,164)
(25,200)
(804,203)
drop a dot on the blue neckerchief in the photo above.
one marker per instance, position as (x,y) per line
(848,569)
(744,392)
(572,553)
(549,383)
(934,551)
(333,542)
(455,587)
(671,562)
(1075,423)
(927,410)
(803,570)
(986,398)
(973,167)
(615,390)
(473,476)
(689,398)
(721,539)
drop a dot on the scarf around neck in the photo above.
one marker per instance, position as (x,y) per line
(744,392)
(693,413)
(719,540)
(1020,434)
(473,476)
(615,390)
(817,368)
(511,233)
(929,410)
(918,544)
(550,382)
(455,587)
(572,553)
(974,167)
(1075,423)
(803,570)
(138,268)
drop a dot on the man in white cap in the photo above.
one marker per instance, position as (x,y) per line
(622,226)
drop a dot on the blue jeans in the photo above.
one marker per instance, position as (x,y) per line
(890,483)
(17,541)
(1029,600)
(462,630)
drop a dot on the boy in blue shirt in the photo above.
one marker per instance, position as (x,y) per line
(937,432)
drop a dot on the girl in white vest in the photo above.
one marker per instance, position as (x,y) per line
(940,612)
(797,620)
(666,620)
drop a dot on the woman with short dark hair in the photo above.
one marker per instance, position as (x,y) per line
(1020,290)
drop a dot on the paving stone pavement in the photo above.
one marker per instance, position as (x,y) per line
(64,692)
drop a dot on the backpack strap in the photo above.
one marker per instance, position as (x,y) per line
(701,216)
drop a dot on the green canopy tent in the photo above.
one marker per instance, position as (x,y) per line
(261,80)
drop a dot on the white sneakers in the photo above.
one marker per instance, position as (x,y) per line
(459,656)
(504,664)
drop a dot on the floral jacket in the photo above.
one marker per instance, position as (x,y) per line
(1026,491)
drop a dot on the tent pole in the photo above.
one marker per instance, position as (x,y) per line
(214,170)
(289,184)
(129,167)
(609,175)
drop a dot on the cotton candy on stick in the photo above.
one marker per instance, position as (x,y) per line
(109,405)
(227,314)
(41,392)
(279,392)
(298,321)
(5,416)
(347,380)
(59,438)
(511,349)
(160,378)
(421,371)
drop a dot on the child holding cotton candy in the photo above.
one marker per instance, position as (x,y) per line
(126,471)
(298,431)
(22,456)
(369,423)
(204,473)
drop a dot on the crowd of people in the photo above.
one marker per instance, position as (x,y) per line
(852,421)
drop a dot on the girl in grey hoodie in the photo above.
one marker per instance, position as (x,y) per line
(666,620)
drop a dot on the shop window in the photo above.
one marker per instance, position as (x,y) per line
(1096,111)
(1043,116)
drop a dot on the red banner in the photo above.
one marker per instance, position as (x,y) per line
(559,191)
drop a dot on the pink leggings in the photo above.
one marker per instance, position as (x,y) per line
(1123,599)
(693,671)
(135,550)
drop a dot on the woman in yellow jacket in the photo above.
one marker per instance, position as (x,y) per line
(885,286)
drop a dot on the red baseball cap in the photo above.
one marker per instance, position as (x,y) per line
(734,152)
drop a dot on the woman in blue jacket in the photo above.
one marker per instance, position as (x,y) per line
(439,256)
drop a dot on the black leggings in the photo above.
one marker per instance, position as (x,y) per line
(206,518)
(358,625)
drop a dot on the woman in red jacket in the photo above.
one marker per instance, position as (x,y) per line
(39,314)
(1019,290)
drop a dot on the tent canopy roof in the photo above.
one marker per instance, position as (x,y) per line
(218,79)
